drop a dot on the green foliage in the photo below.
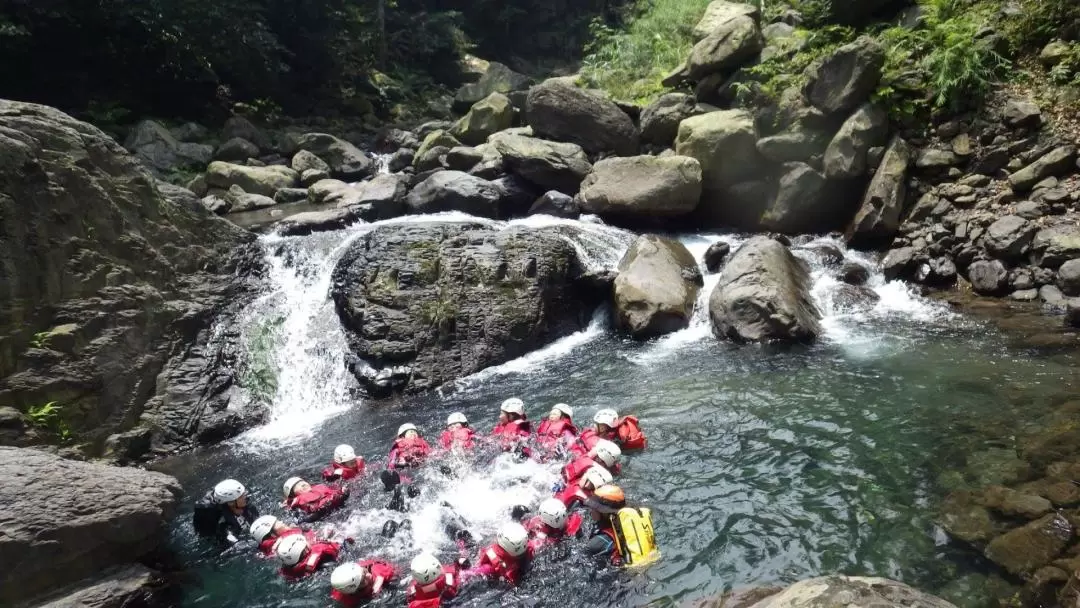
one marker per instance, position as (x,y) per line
(944,64)
(766,81)
(1037,22)
(656,38)
(41,339)
(49,416)
(1067,71)
(815,13)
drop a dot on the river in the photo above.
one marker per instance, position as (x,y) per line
(765,465)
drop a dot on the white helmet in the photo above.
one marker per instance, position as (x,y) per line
(565,409)
(606,416)
(456,418)
(553,513)
(348,578)
(596,476)
(228,491)
(290,549)
(607,452)
(290,483)
(513,538)
(408,426)
(425,568)
(344,453)
(262,527)
(513,405)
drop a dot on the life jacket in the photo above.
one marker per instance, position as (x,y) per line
(316,555)
(408,452)
(497,563)
(572,495)
(634,537)
(629,434)
(463,437)
(542,535)
(573,471)
(267,544)
(554,434)
(343,472)
(432,594)
(382,574)
(319,499)
(587,441)
(511,434)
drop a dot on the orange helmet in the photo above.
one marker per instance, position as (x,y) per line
(607,499)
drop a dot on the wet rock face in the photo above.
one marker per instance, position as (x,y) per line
(85,527)
(437,302)
(108,280)
(656,288)
(1025,549)
(851,592)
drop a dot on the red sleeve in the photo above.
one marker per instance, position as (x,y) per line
(330,473)
(391,459)
(426,447)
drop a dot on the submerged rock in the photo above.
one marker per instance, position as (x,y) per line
(851,592)
(763,295)
(442,301)
(84,530)
(656,288)
(1028,548)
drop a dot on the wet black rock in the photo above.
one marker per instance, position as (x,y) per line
(557,204)
(715,255)
(854,273)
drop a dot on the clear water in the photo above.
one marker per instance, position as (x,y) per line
(765,465)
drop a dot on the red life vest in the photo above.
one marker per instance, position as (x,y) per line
(382,574)
(432,594)
(316,555)
(343,472)
(267,544)
(587,441)
(318,499)
(572,495)
(542,535)
(552,433)
(408,452)
(509,435)
(574,470)
(461,437)
(629,433)
(497,563)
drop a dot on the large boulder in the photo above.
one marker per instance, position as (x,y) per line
(547,164)
(725,144)
(847,154)
(236,149)
(728,47)
(560,111)
(988,277)
(84,530)
(642,187)
(242,128)
(656,288)
(345,160)
(660,119)
(1009,237)
(444,300)
(878,216)
(254,180)
(496,79)
(455,191)
(379,198)
(844,80)
(160,152)
(802,203)
(793,146)
(720,12)
(109,281)
(486,117)
(123,587)
(1055,245)
(1058,161)
(851,592)
(763,295)
(1028,548)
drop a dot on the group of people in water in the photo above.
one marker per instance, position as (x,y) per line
(621,535)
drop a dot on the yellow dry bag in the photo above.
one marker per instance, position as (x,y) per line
(634,537)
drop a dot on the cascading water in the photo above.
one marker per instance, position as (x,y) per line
(764,465)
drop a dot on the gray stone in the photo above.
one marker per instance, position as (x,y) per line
(846,156)
(851,592)
(562,112)
(240,201)
(719,13)
(255,180)
(238,126)
(346,161)
(485,118)
(1072,312)
(725,144)
(36,547)
(1026,549)
(933,159)
(1068,278)
(290,195)
(845,79)
(496,79)
(463,158)
(1009,237)
(878,216)
(190,132)
(1057,162)
(660,119)
(993,161)
(160,152)
(898,263)
(1021,113)
(715,256)
(549,165)
(454,191)
(1056,245)
(305,161)
(729,46)
(1053,300)
(312,176)
(656,288)
(236,149)
(1029,210)
(642,187)
(763,295)
(796,146)
(556,204)
(988,277)
(799,205)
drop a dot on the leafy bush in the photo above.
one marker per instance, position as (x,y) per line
(767,80)
(1037,22)
(49,416)
(656,38)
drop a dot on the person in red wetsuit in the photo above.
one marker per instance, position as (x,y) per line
(268,529)
(432,582)
(298,558)
(604,453)
(552,524)
(409,449)
(355,583)
(313,502)
(625,432)
(514,427)
(508,556)
(557,432)
(579,491)
(345,466)
(458,436)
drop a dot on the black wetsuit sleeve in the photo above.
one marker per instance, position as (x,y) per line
(600,544)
